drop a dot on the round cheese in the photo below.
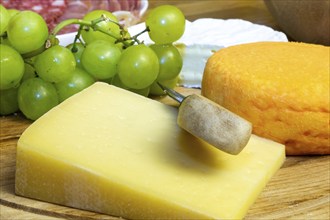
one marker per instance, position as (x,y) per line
(282,88)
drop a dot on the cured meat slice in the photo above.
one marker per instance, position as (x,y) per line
(50,10)
(55,11)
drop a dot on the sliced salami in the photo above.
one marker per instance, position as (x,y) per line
(55,11)
(50,10)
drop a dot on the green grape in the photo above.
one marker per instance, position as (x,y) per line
(166,24)
(4,19)
(144,92)
(78,50)
(170,61)
(121,45)
(108,26)
(12,12)
(117,82)
(11,66)
(8,101)
(109,80)
(138,66)
(100,59)
(27,31)
(55,64)
(29,72)
(156,90)
(4,40)
(36,97)
(78,81)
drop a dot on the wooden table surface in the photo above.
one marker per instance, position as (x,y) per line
(299,190)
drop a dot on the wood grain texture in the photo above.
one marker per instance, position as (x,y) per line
(299,190)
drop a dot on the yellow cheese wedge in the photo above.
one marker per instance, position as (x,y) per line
(111,151)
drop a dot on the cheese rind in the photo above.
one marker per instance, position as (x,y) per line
(111,151)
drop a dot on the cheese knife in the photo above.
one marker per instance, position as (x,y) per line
(211,122)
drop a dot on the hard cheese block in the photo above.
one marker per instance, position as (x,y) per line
(111,151)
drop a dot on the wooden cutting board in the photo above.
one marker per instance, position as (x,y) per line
(299,190)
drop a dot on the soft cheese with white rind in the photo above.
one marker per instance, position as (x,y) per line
(111,151)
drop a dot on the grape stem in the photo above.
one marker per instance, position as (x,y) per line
(86,25)
(135,37)
(74,48)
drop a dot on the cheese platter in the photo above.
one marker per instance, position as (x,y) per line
(298,190)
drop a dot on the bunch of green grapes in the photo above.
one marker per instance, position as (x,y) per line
(37,73)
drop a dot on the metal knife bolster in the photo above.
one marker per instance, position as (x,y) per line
(172,93)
